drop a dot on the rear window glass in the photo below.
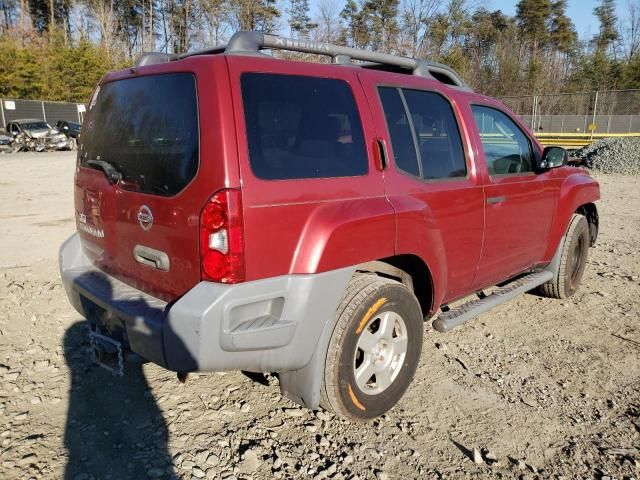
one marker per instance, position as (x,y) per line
(302,127)
(147,128)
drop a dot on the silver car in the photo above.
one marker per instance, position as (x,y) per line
(32,134)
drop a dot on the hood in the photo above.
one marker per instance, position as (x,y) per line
(39,132)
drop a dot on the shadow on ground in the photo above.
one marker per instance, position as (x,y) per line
(114,429)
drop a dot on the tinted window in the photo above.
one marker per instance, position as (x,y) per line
(302,127)
(441,152)
(402,143)
(147,128)
(506,147)
(35,126)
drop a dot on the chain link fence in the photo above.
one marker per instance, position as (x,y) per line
(602,112)
(50,112)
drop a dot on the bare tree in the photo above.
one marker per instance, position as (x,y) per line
(631,30)
(416,15)
(8,14)
(214,21)
(104,14)
(329,20)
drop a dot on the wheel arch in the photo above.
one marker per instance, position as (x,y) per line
(409,269)
(578,193)
(590,211)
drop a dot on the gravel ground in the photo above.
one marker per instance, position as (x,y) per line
(537,388)
(612,155)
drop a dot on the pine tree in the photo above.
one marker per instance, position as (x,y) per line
(606,14)
(562,34)
(382,16)
(357,28)
(258,15)
(532,16)
(299,19)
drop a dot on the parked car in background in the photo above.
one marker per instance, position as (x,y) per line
(5,142)
(71,130)
(32,134)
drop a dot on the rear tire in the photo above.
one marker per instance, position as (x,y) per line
(374,348)
(573,260)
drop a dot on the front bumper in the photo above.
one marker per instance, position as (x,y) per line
(269,325)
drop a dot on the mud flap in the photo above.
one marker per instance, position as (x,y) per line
(303,386)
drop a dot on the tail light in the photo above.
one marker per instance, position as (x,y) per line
(221,242)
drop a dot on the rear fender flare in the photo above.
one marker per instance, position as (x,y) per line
(345,233)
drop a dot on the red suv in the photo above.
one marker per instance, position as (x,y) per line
(239,211)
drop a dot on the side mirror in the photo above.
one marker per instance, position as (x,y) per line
(553,157)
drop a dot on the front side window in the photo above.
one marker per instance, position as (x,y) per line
(506,148)
(302,127)
(424,133)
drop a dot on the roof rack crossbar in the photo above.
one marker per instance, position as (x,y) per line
(245,42)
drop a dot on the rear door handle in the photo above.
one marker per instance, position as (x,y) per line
(381,156)
(495,200)
(151,257)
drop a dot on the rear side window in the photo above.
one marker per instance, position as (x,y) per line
(302,127)
(402,143)
(506,148)
(424,133)
(147,128)
(439,140)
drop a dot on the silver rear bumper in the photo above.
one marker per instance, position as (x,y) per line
(270,325)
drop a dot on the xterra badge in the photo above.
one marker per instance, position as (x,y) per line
(145,218)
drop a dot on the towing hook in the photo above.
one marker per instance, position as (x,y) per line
(182,377)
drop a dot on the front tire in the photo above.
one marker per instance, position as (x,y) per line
(573,260)
(374,348)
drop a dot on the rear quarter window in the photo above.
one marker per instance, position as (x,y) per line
(302,127)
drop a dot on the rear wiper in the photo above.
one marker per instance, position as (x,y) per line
(113,175)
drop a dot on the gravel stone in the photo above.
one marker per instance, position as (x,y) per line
(477,456)
(612,155)
(250,461)
(197,472)
(294,412)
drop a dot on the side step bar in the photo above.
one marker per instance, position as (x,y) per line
(457,316)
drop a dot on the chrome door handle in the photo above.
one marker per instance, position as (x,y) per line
(151,257)
(495,200)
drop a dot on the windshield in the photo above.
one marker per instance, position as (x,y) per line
(35,126)
(147,129)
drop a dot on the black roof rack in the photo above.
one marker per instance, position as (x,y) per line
(250,43)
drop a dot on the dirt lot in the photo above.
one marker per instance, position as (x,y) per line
(543,388)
